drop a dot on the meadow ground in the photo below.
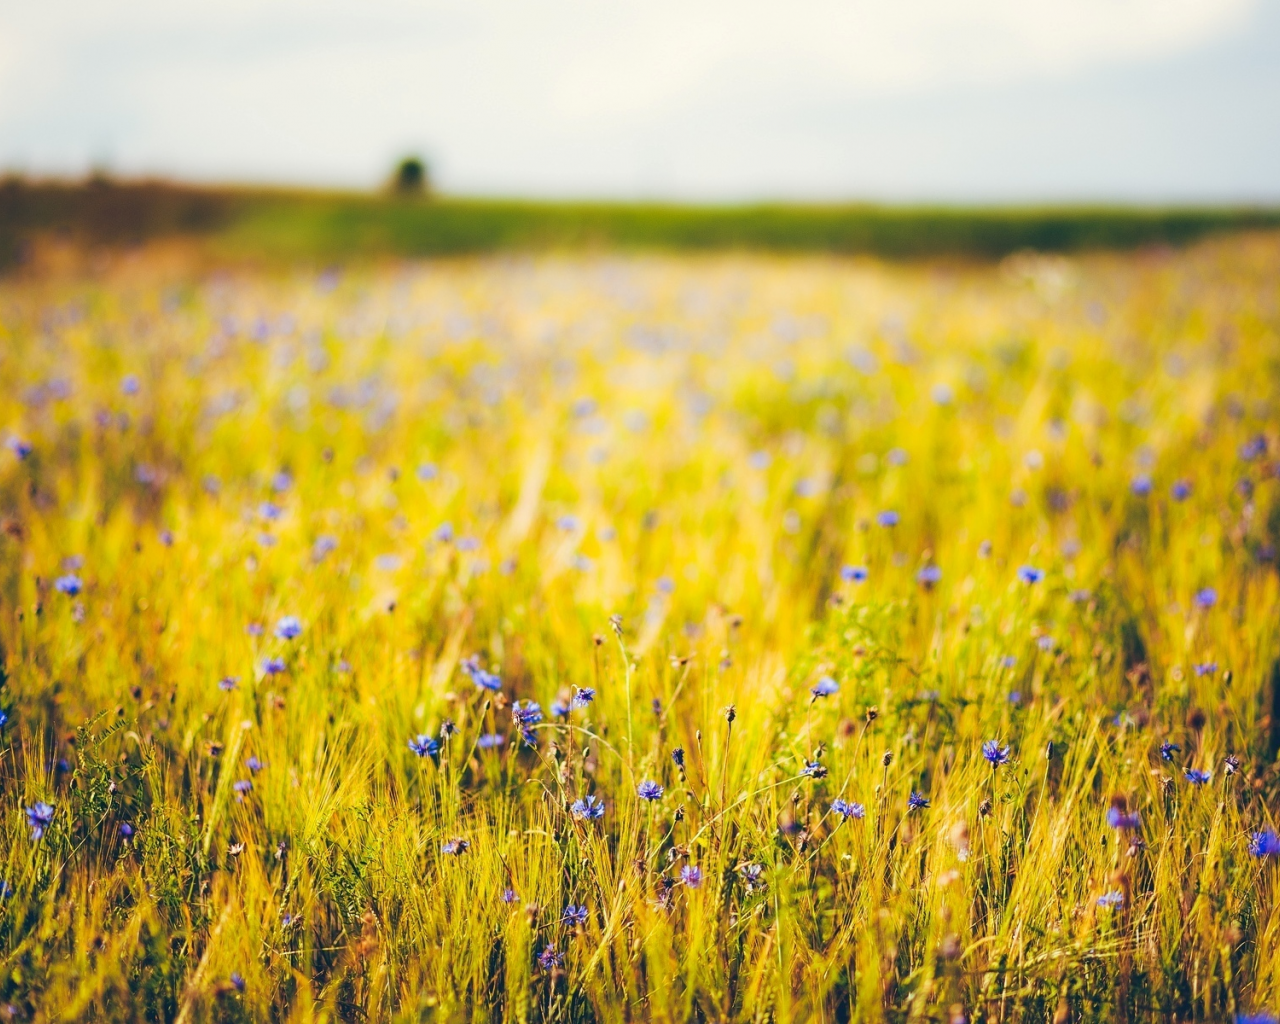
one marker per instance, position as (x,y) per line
(665,638)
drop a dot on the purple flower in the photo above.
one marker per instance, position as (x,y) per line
(455,847)
(677,755)
(324,546)
(1119,818)
(526,713)
(510,896)
(917,801)
(1167,750)
(1008,661)
(1030,574)
(1181,490)
(1206,669)
(39,817)
(288,628)
(228,683)
(19,447)
(1257,1017)
(549,959)
(691,875)
(237,981)
(270,511)
(568,523)
(582,697)
(1206,597)
(1141,485)
(241,786)
(1195,776)
(273,666)
(814,770)
(753,876)
(1264,844)
(929,576)
(825,687)
(588,808)
(69,585)
(1254,448)
(995,754)
(853,573)
(649,790)
(424,746)
(574,915)
(490,740)
(847,810)
(1111,900)
(888,518)
(426,472)
(253,764)
(483,680)
(126,830)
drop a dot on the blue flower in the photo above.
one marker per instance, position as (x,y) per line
(888,518)
(691,875)
(825,687)
(549,959)
(1120,818)
(19,447)
(995,753)
(574,915)
(588,808)
(568,523)
(323,547)
(490,740)
(677,755)
(1167,750)
(237,981)
(1141,485)
(1254,448)
(929,576)
(241,786)
(1195,776)
(1206,597)
(1206,669)
(4,720)
(270,511)
(814,770)
(1264,844)
(253,764)
(582,697)
(1030,574)
(288,628)
(424,746)
(273,666)
(228,683)
(753,875)
(1111,900)
(426,472)
(444,533)
(39,817)
(455,847)
(526,713)
(510,896)
(1045,643)
(483,680)
(126,830)
(1181,490)
(559,709)
(1257,1017)
(917,801)
(853,573)
(69,585)
(1008,661)
(847,810)
(649,790)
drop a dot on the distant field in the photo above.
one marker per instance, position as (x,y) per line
(330,226)
(603,637)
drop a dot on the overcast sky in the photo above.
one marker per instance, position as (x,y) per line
(700,99)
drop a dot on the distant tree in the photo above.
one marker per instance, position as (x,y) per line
(411,177)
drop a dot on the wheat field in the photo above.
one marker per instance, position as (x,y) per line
(617,637)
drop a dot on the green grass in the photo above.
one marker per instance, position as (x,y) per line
(297,224)
(749,418)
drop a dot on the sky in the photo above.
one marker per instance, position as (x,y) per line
(895,100)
